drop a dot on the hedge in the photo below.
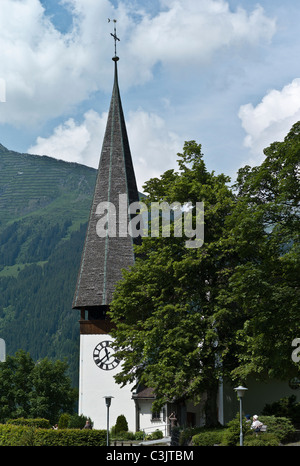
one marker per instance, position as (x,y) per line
(261,440)
(11,435)
(208,438)
(281,427)
(279,431)
(36,422)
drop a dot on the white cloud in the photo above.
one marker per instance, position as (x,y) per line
(154,148)
(47,72)
(75,142)
(190,32)
(272,118)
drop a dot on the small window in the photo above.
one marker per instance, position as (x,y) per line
(155,416)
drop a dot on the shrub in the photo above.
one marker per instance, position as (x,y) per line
(285,407)
(261,440)
(156,435)
(63,421)
(187,434)
(121,424)
(231,435)
(208,438)
(122,435)
(77,421)
(28,437)
(38,422)
(129,435)
(139,435)
(71,437)
(281,427)
(11,435)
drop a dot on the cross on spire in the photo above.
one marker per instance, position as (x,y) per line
(114,35)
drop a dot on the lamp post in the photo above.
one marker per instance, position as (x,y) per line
(240,393)
(107,402)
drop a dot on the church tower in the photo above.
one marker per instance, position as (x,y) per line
(108,248)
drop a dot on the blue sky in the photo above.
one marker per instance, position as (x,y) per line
(222,72)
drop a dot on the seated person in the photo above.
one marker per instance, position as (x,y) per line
(256,424)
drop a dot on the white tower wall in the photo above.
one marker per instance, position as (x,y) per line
(96,383)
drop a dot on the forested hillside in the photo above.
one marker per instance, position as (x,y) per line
(44,208)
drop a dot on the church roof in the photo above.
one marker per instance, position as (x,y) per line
(104,257)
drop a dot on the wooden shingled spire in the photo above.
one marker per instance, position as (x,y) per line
(103,258)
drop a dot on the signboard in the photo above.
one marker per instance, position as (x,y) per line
(2,350)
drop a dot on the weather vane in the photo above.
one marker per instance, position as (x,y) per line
(114,35)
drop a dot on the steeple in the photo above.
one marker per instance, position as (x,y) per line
(104,256)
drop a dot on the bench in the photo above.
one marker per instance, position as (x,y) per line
(263,428)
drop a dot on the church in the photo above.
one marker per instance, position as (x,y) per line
(103,258)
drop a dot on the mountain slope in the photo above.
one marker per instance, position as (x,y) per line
(44,208)
(31,184)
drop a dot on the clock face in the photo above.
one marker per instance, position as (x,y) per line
(104,356)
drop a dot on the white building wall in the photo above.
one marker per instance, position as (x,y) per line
(96,383)
(146,423)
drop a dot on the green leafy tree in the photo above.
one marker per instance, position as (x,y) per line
(52,392)
(31,389)
(15,386)
(164,309)
(186,317)
(265,286)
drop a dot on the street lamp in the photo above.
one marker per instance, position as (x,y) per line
(240,393)
(107,402)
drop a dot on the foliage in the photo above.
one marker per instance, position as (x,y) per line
(170,344)
(34,390)
(64,420)
(234,301)
(285,407)
(231,436)
(265,231)
(186,434)
(139,435)
(208,438)
(35,422)
(11,435)
(281,427)
(262,440)
(71,437)
(205,434)
(27,436)
(77,421)
(125,435)
(35,305)
(156,435)
(278,428)
(121,424)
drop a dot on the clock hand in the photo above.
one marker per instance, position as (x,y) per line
(104,357)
